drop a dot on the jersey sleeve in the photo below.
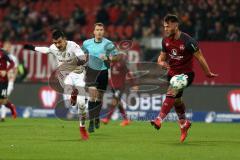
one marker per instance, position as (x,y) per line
(15,60)
(111,49)
(163,46)
(11,62)
(192,45)
(77,50)
(7,58)
(42,49)
(84,47)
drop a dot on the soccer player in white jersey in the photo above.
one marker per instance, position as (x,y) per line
(70,59)
(12,74)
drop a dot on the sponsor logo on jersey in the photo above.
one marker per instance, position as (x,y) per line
(182,47)
(174,52)
(174,55)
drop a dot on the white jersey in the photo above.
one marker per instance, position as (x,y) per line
(12,73)
(65,59)
(15,60)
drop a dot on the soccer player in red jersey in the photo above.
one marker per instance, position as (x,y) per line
(178,50)
(119,73)
(5,65)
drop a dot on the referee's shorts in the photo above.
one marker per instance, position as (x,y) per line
(97,78)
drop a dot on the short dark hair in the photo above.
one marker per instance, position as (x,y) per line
(171,18)
(98,24)
(57,34)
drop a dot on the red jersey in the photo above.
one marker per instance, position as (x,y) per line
(180,53)
(118,74)
(5,65)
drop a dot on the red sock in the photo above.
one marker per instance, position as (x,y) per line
(166,107)
(73,98)
(111,110)
(180,110)
(122,111)
(12,107)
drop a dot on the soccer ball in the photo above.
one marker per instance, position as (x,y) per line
(179,81)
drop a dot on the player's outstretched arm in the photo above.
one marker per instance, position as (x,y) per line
(38,49)
(29,47)
(81,60)
(162,60)
(199,56)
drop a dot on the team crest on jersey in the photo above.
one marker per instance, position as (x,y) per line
(174,52)
(182,47)
(167,44)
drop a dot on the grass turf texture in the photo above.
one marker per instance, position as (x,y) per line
(51,139)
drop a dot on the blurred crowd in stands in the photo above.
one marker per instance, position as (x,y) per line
(206,20)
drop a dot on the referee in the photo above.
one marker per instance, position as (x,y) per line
(101,52)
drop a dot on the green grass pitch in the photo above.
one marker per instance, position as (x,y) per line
(50,139)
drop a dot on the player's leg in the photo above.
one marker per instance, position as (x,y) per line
(3,96)
(5,101)
(81,104)
(184,123)
(78,98)
(10,87)
(92,111)
(9,91)
(111,108)
(69,86)
(91,82)
(74,96)
(3,113)
(98,105)
(125,121)
(166,107)
(102,82)
(180,109)
(117,96)
(10,106)
(169,101)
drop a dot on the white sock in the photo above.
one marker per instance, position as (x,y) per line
(3,112)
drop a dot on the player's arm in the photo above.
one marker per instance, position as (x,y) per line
(111,53)
(192,47)
(203,63)
(81,57)
(10,61)
(162,60)
(14,71)
(38,49)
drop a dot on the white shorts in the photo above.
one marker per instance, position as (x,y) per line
(74,80)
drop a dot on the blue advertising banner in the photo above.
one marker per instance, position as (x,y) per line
(141,115)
